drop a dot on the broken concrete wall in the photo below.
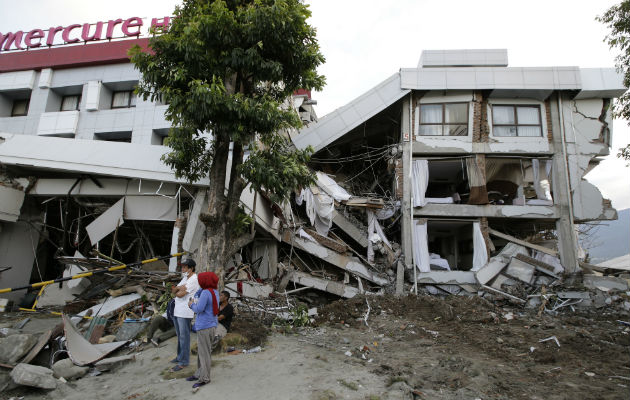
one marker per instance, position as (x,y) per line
(18,243)
(588,130)
(10,203)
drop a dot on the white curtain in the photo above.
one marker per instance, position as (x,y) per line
(420,181)
(375,235)
(431,114)
(421,246)
(331,187)
(541,179)
(319,208)
(480,253)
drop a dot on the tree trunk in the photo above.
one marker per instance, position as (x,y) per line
(223,207)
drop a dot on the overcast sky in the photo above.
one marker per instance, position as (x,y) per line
(366,41)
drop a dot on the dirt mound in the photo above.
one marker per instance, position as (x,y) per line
(427,308)
(254,331)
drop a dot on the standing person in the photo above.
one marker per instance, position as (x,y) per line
(226,313)
(182,314)
(206,306)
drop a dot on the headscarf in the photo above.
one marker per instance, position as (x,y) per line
(209,281)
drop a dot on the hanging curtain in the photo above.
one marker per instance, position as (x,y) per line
(421,246)
(541,179)
(375,235)
(476,181)
(319,208)
(420,181)
(480,253)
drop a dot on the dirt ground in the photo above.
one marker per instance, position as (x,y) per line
(453,348)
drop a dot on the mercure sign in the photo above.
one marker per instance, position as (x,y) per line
(77,33)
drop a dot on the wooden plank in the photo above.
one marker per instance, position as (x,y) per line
(523,243)
(43,339)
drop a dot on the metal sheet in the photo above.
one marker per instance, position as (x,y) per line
(150,208)
(82,352)
(106,222)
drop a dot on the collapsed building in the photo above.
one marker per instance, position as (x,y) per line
(463,172)
(459,173)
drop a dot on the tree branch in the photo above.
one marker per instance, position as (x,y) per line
(237,243)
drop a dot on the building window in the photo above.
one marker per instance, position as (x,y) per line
(20,108)
(70,103)
(124,99)
(448,119)
(516,120)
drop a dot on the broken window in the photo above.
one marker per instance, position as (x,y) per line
(448,245)
(519,181)
(446,119)
(513,120)
(439,181)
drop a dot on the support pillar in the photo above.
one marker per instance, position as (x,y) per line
(406,206)
(567,239)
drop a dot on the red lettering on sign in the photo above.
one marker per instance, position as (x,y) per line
(37,34)
(163,25)
(66,33)
(110,27)
(134,22)
(85,35)
(39,37)
(51,34)
(11,38)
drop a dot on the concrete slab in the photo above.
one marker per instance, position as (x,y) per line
(605,283)
(336,288)
(498,262)
(447,277)
(520,270)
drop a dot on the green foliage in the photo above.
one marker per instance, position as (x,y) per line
(617,19)
(243,221)
(226,67)
(300,316)
(162,301)
(275,167)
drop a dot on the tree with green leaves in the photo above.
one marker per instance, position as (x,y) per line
(617,19)
(226,69)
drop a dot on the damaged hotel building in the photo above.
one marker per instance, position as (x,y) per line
(460,173)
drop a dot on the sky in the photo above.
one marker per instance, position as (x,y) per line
(367,41)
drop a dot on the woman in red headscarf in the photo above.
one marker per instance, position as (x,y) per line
(205,304)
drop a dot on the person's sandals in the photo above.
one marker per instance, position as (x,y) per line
(197,385)
(174,361)
(178,367)
(192,378)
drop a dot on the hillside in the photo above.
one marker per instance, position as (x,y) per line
(610,239)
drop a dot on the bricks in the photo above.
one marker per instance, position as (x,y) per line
(548,117)
(481,128)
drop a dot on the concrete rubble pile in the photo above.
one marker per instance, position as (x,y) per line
(98,329)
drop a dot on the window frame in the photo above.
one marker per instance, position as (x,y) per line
(443,124)
(63,98)
(516,124)
(28,104)
(129,105)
